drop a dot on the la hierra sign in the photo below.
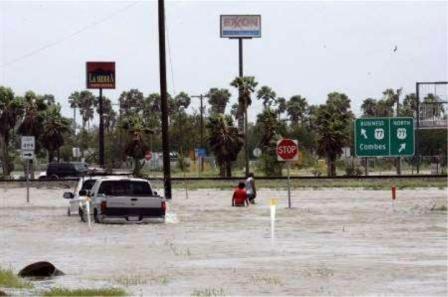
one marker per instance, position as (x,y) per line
(100,75)
(384,137)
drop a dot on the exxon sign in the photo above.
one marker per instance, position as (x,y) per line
(240,26)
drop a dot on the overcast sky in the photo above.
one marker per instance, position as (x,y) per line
(307,48)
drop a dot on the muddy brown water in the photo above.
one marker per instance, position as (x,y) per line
(332,242)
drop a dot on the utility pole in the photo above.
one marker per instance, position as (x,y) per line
(164,102)
(201,97)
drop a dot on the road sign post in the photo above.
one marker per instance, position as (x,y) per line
(288,150)
(27,145)
(384,137)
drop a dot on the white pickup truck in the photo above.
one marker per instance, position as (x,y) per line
(115,199)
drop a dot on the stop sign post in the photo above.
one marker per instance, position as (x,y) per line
(288,150)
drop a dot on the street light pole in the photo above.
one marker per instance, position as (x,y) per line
(164,102)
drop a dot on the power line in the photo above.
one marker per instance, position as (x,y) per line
(59,41)
(169,57)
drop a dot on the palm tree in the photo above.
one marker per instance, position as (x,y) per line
(281,106)
(181,100)
(267,95)
(433,107)
(11,109)
(333,122)
(393,97)
(136,146)
(55,126)
(246,86)
(131,102)
(225,141)
(218,99)
(32,123)
(109,114)
(74,100)
(369,107)
(86,104)
(409,105)
(270,130)
(296,107)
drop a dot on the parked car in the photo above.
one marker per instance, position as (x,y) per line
(118,199)
(78,198)
(63,170)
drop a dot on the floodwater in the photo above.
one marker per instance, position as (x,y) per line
(332,242)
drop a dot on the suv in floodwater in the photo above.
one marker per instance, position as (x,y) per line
(63,170)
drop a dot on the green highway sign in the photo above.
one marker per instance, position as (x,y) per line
(384,137)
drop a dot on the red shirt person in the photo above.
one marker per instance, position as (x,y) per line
(240,197)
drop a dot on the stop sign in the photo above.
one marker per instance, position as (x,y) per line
(287,150)
(148,155)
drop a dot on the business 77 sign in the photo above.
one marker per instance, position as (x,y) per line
(384,137)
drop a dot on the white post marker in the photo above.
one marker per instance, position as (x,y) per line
(27,145)
(288,150)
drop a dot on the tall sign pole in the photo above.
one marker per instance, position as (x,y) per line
(241,27)
(101,132)
(163,95)
(100,75)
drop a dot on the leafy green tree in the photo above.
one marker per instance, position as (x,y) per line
(55,127)
(225,141)
(333,125)
(218,99)
(270,129)
(432,107)
(11,109)
(392,97)
(131,102)
(136,146)
(296,107)
(267,95)
(181,100)
(409,106)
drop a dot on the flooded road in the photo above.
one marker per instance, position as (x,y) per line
(332,242)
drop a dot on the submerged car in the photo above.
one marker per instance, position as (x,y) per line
(66,170)
(78,197)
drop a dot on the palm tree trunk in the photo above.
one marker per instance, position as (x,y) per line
(229,169)
(4,157)
(222,169)
(50,156)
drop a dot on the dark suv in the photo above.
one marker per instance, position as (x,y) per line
(61,170)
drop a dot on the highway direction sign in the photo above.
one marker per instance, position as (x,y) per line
(27,155)
(27,143)
(384,137)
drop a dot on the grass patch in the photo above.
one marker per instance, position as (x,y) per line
(85,292)
(209,292)
(8,279)
(138,280)
(267,280)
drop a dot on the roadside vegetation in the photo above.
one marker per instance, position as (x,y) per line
(324,131)
(8,279)
(84,292)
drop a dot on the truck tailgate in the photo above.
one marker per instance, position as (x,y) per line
(134,202)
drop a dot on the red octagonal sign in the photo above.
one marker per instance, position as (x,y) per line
(287,150)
